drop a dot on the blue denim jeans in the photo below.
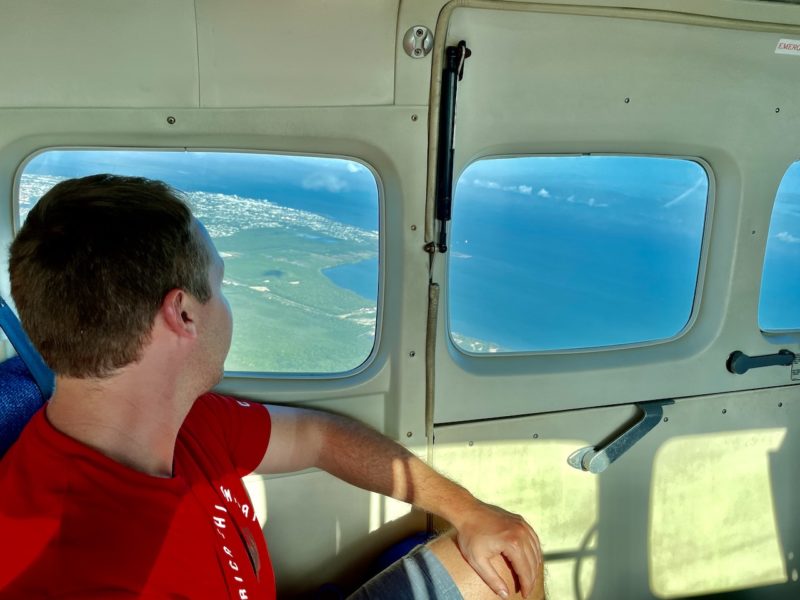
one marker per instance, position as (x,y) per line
(417,576)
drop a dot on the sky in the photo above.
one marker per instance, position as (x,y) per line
(337,188)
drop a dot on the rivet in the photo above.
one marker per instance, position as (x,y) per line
(666,419)
(409,434)
(724,411)
(536,436)
(471,442)
(414,117)
(412,354)
(780,404)
(627,100)
(778,109)
(413,228)
(171,120)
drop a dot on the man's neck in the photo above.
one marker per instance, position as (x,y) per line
(132,417)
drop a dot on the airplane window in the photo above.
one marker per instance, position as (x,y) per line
(780,287)
(561,253)
(298,234)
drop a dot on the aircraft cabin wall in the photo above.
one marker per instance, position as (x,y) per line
(557,101)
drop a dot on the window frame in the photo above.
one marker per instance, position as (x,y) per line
(776,336)
(461,354)
(381,199)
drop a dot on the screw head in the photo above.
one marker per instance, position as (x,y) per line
(778,109)
(409,434)
(666,419)
(171,120)
(420,32)
(471,442)
(417,51)
(412,354)
(536,436)
(413,228)
(414,117)
(780,404)
(724,411)
(627,100)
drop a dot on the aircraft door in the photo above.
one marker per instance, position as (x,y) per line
(614,176)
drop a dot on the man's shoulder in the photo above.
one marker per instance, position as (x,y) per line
(225,431)
(30,469)
(215,410)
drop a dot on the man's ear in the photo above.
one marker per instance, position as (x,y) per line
(177,310)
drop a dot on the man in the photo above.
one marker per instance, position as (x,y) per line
(128,483)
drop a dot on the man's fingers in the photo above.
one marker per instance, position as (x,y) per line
(535,548)
(489,575)
(520,558)
(530,553)
(536,544)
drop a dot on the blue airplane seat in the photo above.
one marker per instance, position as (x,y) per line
(26,382)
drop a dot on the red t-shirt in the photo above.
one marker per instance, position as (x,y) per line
(76,524)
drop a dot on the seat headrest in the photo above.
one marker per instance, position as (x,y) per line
(26,382)
(20,398)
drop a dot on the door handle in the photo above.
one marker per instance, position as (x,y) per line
(597,460)
(739,363)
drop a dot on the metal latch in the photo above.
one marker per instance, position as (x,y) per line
(597,460)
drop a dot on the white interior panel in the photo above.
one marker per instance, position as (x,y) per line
(702,504)
(342,53)
(321,530)
(98,53)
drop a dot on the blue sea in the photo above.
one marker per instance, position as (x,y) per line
(360,277)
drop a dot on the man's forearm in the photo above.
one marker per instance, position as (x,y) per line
(361,456)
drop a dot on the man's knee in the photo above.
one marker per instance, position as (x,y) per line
(469,582)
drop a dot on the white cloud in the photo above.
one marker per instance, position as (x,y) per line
(352,167)
(485,183)
(787,237)
(543,193)
(324,181)
(494,185)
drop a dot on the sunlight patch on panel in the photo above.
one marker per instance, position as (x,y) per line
(532,478)
(560,578)
(712,520)
(257,489)
(384,510)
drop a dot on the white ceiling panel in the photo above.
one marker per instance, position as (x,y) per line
(92,53)
(300,53)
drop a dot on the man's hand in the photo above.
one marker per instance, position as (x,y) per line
(487,531)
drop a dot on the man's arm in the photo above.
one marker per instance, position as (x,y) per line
(356,454)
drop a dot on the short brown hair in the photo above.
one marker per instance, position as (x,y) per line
(91,266)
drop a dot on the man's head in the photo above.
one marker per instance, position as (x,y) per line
(94,261)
